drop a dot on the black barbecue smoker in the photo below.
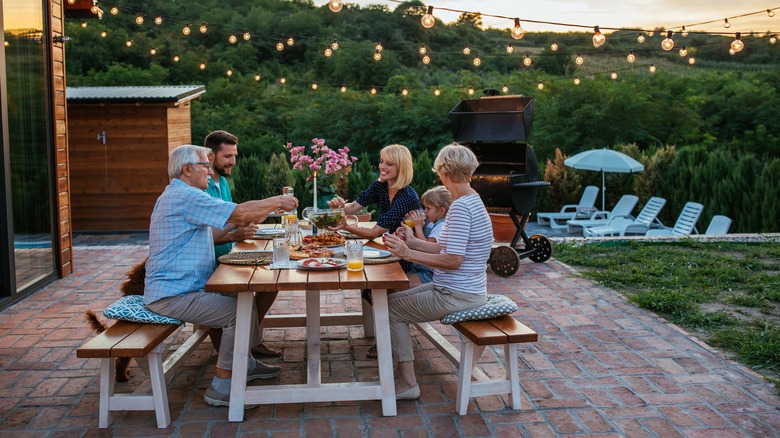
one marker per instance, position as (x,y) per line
(496,128)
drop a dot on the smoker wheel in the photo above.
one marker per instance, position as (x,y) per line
(542,248)
(504,261)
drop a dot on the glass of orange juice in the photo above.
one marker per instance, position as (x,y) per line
(409,223)
(354,255)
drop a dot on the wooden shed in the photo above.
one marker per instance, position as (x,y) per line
(120,138)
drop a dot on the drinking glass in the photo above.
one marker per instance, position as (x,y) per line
(354,255)
(291,231)
(281,255)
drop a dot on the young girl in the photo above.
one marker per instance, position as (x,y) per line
(428,225)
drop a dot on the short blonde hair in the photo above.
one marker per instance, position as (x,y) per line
(457,162)
(438,197)
(399,155)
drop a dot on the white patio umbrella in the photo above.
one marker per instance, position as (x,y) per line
(604,160)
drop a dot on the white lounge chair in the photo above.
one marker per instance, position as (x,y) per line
(620,226)
(622,209)
(686,222)
(583,210)
(719,225)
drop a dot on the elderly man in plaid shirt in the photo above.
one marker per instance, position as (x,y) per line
(181,259)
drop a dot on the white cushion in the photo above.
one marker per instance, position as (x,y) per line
(131,308)
(497,305)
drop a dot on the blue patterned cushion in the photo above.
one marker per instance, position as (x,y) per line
(131,308)
(497,305)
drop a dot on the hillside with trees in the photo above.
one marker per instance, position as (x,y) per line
(706,132)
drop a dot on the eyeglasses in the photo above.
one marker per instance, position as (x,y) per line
(206,165)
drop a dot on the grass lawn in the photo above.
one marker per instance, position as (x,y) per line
(726,293)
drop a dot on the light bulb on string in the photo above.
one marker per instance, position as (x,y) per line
(554,46)
(527,60)
(598,37)
(737,45)
(684,32)
(378,47)
(84,24)
(203,28)
(770,12)
(280,46)
(232,39)
(426,59)
(129,43)
(668,43)
(377,55)
(229,72)
(343,88)
(466,50)
(510,49)
(247,36)
(631,57)
(505,89)
(405,92)
(334,45)
(103,34)
(314,86)
(158,20)
(732,52)
(423,50)
(290,41)
(517,31)
(153,51)
(772,39)
(577,81)
(540,86)
(691,61)
(283,80)
(373,91)
(176,58)
(202,65)
(477,62)
(652,68)
(335,5)
(726,23)
(428,20)
(327,52)
(114,10)
(139,19)
(579,60)
(613,75)
(640,39)
(185,30)
(257,77)
(436,92)
(683,52)
(471,91)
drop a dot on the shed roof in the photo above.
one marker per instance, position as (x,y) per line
(146,94)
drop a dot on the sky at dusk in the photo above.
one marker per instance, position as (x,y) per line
(641,14)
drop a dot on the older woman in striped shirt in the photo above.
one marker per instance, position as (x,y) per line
(458,259)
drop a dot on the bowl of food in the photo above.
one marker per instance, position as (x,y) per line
(326,218)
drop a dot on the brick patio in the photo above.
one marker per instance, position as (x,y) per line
(601,367)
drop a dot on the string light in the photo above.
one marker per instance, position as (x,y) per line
(554,46)
(423,50)
(343,88)
(139,19)
(280,46)
(668,43)
(691,61)
(247,36)
(427,20)
(114,10)
(527,60)
(613,75)
(186,30)
(466,50)
(314,86)
(83,24)
(335,5)
(471,91)
(540,86)
(229,72)
(373,91)
(579,60)
(283,80)
(577,81)
(334,45)
(203,28)
(640,39)
(732,52)
(426,59)
(510,49)
(257,77)
(726,23)
(328,52)
(129,43)
(770,12)
(652,68)
(683,52)
(202,65)
(772,39)
(153,51)
(158,20)
(505,89)
(598,37)
(176,58)
(103,34)
(232,39)
(377,55)
(379,47)
(290,41)
(477,62)
(737,45)
(684,32)
(405,92)
(631,57)
(436,92)
(517,31)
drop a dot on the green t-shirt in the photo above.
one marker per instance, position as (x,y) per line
(221,192)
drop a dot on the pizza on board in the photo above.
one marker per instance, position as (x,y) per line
(324,239)
(308,250)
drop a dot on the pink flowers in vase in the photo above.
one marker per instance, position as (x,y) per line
(321,158)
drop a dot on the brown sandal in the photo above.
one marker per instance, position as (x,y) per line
(371,353)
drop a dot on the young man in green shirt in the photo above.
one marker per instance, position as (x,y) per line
(224,146)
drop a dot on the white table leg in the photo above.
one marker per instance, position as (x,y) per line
(384,353)
(245,307)
(314,375)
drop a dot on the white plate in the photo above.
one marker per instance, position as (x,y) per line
(269,231)
(256,251)
(376,253)
(337,264)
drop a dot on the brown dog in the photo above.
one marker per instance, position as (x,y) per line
(133,285)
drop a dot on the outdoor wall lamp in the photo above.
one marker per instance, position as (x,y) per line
(62,39)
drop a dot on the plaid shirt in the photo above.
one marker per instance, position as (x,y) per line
(181,246)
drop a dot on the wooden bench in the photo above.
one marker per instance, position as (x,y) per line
(475,336)
(137,340)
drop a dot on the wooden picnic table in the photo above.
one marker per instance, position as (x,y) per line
(248,280)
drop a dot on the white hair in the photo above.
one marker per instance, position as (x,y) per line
(185,154)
